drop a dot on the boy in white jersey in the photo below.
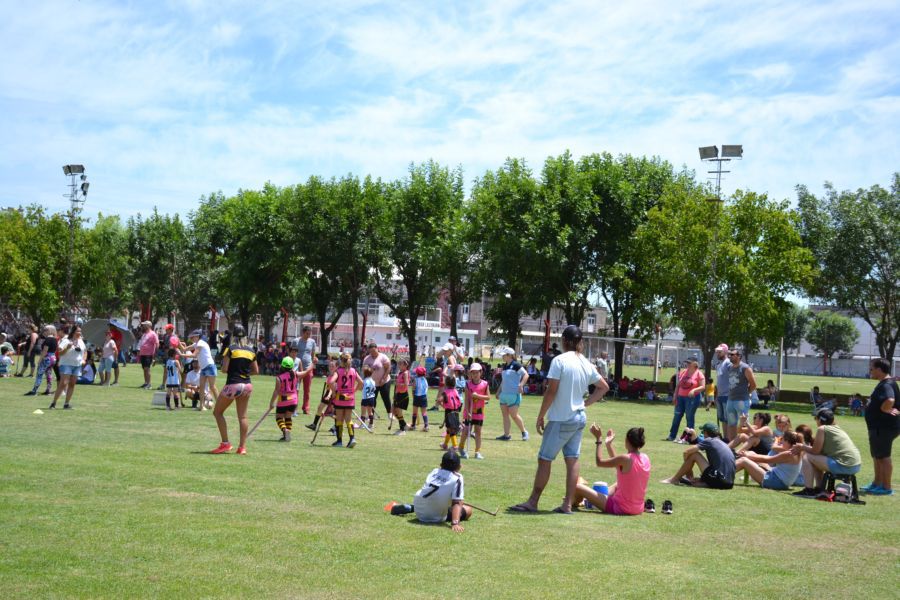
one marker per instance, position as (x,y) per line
(441,497)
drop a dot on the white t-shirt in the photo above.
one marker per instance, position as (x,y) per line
(75,356)
(203,353)
(574,373)
(192,378)
(433,501)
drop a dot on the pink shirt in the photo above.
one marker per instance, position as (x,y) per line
(346,387)
(452,399)
(402,384)
(381,367)
(287,388)
(686,382)
(481,388)
(149,344)
(631,487)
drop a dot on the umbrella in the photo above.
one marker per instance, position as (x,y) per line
(94,332)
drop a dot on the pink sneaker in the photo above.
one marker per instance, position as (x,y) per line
(241,450)
(222,449)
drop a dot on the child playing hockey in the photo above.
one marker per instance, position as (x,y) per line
(345,381)
(401,395)
(368,397)
(477,395)
(441,498)
(325,401)
(173,379)
(450,402)
(285,395)
(420,398)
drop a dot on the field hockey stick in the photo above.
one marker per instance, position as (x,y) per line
(363,423)
(493,514)
(258,423)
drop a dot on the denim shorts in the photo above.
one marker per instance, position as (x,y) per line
(836,469)
(509,399)
(563,435)
(772,481)
(734,409)
(209,371)
(70,370)
(106,364)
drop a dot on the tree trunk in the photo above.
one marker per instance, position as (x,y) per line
(453,305)
(355,311)
(244,312)
(411,339)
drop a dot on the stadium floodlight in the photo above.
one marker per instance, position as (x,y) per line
(709,152)
(733,151)
(73,169)
(84,188)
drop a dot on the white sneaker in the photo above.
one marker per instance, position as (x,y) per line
(479,456)
(524,436)
(412,428)
(399,432)
(464,454)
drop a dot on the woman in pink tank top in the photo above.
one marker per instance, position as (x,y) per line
(632,475)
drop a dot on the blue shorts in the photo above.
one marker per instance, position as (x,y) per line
(563,435)
(833,467)
(67,370)
(510,399)
(106,364)
(209,371)
(734,409)
(772,481)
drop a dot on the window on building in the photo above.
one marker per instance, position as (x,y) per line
(389,335)
(437,340)
(591,322)
(464,309)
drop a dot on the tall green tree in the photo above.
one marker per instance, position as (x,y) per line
(105,277)
(760,260)
(796,323)
(418,209)
(853,236)
(154,243)
(454,257)
(830,332)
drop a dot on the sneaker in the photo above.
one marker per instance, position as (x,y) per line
(47,392)
(333,431)
(649,507)
(400,432)
(464,454)
(478,456)
(525,436)
(114,383)
(872,486)
(52,406)
(287,435)
(338,444)
(503,438)
(222,449)
(667,507)
(310,426)
(669,439)
(412,428)
(68,407)
(686,481)
(880,491)
(241,450)
(31,393)
(806,493)
(443,446)
(425,429)
(351,443)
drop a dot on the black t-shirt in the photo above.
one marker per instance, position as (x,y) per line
(875,417)
(240,361)
(50,344)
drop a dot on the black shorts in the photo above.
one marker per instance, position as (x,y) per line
(401,400)
(290,409)
(881,441)
(368,402)
(476,421)
(463,515)
(451,421)
(714,479)
(146,361)
(420,401)
(175,387)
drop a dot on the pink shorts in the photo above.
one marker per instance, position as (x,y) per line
(236,390)
(613,508)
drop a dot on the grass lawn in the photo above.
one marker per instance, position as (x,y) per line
(116,500)
(803,383)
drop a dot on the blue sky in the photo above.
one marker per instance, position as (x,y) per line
(166,101)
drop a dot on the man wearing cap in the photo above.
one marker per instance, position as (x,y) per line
(721,382)
(567,382)
(741,384)
(381,373)
(147,350)
(716,469)
(306,351)
(458,351)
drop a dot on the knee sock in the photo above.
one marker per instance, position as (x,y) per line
(316,420)
(402,423)
(447,438)
(339,431)
(288,422)
(425,419)
(454,441)
(168,400)
(350,429)
(371,420)
(280,422)
(415,418)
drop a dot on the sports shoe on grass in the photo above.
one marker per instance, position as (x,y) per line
(287,435)
(310,426)
(351,443)
(806,493)
(880,491)
(412,428)
(478,456)
(222,449)
(241,450)
(464,454)
(667,507)
(649,507)
(524,436)
(443,446)
(503,438)
(870,487)
(425,429)
(400,432)
(31,393)
(68,407)
(338,444)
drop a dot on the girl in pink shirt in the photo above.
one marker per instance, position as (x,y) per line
(477,394)
(345,381)
(626,497)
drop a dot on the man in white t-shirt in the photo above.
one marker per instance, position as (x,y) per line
(441,497)
(567,382)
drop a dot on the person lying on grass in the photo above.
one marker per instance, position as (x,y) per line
(626,497)
(777,471)
(441,497)
(717,468)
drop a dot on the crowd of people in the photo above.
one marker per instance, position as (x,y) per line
(777,458)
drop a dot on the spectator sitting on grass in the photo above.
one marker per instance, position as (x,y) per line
(832,451)
(717,469)
(441,497)
(757,437)
(626,497)
(776,471)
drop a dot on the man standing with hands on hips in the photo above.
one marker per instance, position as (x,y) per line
(568,379)
(741,384)
(381,373)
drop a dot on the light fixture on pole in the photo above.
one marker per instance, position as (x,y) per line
(77,196)
(711,154)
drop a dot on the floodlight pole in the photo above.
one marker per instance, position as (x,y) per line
(77,196)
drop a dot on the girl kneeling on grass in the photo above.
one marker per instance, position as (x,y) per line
(773,472)
(345,381)
(626,497)
(239,362)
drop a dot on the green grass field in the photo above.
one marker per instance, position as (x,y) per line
(118,500)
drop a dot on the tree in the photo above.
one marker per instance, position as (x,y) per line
(104,278)
(796,323)
(454,256)
(624,190)
(418,209)
(510,257)
(759,261)
(830,332)
(853,236)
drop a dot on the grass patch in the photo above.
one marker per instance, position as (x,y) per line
(116,499)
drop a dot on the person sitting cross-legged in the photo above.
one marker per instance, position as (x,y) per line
(717,468)
(626,497)
(777,471)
